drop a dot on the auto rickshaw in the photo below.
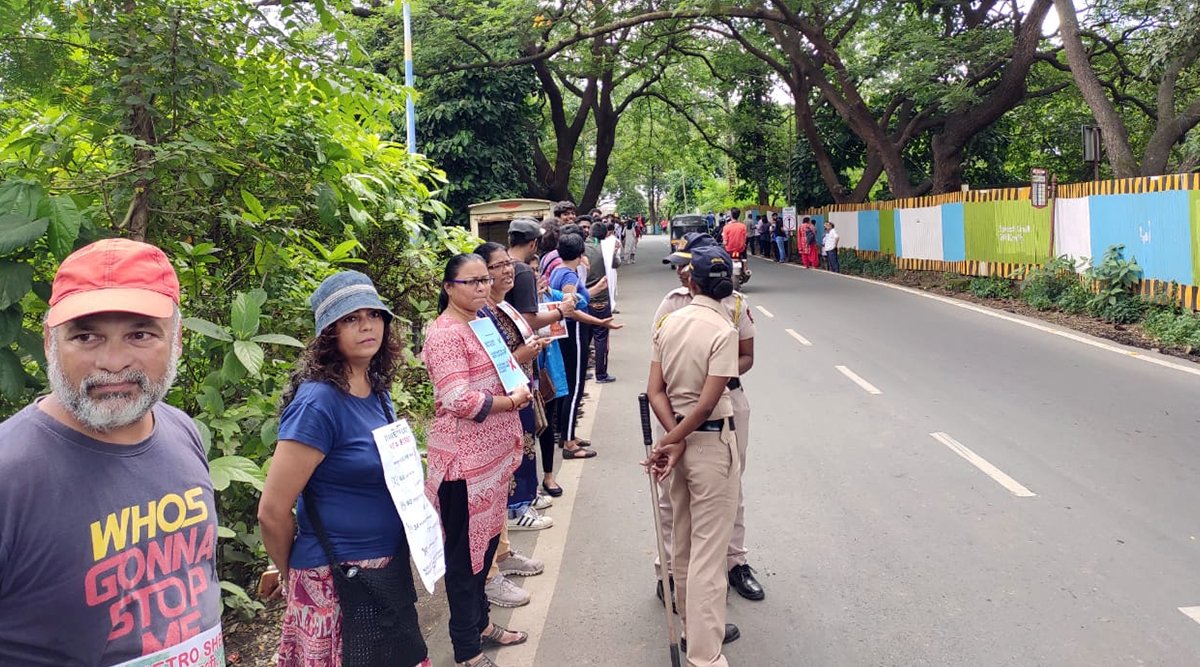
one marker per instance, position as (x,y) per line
(686,224)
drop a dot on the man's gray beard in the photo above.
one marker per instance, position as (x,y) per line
(96,414)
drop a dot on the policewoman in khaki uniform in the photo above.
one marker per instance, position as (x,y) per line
(737,308)
(694,356)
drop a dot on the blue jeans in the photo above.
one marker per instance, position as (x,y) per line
(832,258)
(781,243)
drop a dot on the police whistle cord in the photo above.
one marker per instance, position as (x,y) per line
(672,630)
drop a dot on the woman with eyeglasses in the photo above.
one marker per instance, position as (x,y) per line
(474,446)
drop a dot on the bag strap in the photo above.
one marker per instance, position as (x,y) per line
(311,512)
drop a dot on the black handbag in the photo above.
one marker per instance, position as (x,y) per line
(379,621)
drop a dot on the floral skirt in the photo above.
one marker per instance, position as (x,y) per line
(312,623)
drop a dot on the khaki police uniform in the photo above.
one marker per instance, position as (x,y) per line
(691,344)
(737,308)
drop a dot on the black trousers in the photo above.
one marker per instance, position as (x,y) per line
(547,437)
(575,356)
(469,607)
(600,339)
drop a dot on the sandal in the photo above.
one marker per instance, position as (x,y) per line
(577,453)
(552,491)
(481,661)
(496,638)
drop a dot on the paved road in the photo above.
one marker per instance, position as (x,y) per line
(877,542)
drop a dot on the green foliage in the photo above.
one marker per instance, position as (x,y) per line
(1043,286)
(991,287)
(1171,327)
(255,153)
(1074,299)
(1116,280)
(850,262)
(955,282)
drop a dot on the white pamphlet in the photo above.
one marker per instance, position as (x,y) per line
(406,483)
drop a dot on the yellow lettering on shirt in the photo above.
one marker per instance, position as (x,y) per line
(145,521)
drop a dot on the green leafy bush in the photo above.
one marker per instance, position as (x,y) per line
(849,261)
(956,282)
(880,267)
(1042,287)
(1116,277)
(992,287)
(1171,327)
(1074,299)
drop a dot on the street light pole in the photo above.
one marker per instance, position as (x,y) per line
(410,110)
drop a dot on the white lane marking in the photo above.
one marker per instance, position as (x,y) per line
(802,340)
(1079,338)
(764,311)
(1191,612)
(550,549)
(856,379)
(1015,487)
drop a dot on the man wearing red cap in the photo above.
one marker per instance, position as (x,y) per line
(107,519)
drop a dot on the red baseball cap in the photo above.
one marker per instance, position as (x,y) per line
(114,275)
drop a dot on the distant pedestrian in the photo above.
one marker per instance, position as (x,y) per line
(781,238)
(831,247)
(810,252)
(763,233)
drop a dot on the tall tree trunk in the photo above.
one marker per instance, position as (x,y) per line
(959,127)
(555,176)
(1112,127)
(806,126)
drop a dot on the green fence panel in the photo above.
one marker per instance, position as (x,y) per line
(887,232)
(1007,231)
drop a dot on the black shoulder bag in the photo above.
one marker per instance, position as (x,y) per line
(379,621)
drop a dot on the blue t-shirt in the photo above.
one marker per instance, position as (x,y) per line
(563,276)
(348,488)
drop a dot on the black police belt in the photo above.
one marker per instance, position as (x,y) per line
(734,383)
(712,425)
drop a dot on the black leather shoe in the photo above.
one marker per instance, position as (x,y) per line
(741,577)
(659,591)
(731,635)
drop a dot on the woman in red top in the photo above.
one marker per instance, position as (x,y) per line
(474,446)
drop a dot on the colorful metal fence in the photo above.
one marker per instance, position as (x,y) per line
(999,232)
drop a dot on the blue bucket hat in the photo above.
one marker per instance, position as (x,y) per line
(342,294)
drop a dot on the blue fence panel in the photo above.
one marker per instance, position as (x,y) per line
(1154,228)
(954,235)
(868,230)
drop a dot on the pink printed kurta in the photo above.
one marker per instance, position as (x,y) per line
(465,443)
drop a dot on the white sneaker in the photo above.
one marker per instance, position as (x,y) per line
(520,565)
(530,520)
(542,502)
(504,593)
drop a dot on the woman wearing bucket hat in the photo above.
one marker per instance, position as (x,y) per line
(474,446)
(327,465)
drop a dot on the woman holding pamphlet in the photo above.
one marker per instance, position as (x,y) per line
(328,467)
(474,446)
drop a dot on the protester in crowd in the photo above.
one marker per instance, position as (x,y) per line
(764,237)
(781,238)
(610,250)
(547,247)
(473,446)
(831,247)
(693,359)
(566,279)
(737,309)
(636,237)
(810,249)
(326,465)
(600,302)
(523,498)
(564,211)
(100,446)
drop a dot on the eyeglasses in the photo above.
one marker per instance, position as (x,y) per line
(475,282)
(501,265)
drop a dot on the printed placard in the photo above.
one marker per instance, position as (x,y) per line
(511,375)
(206,649)
(405,480)
(556,329)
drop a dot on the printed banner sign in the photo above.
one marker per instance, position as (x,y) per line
(206,649)
(511,375)
(554,330)
(406,483)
